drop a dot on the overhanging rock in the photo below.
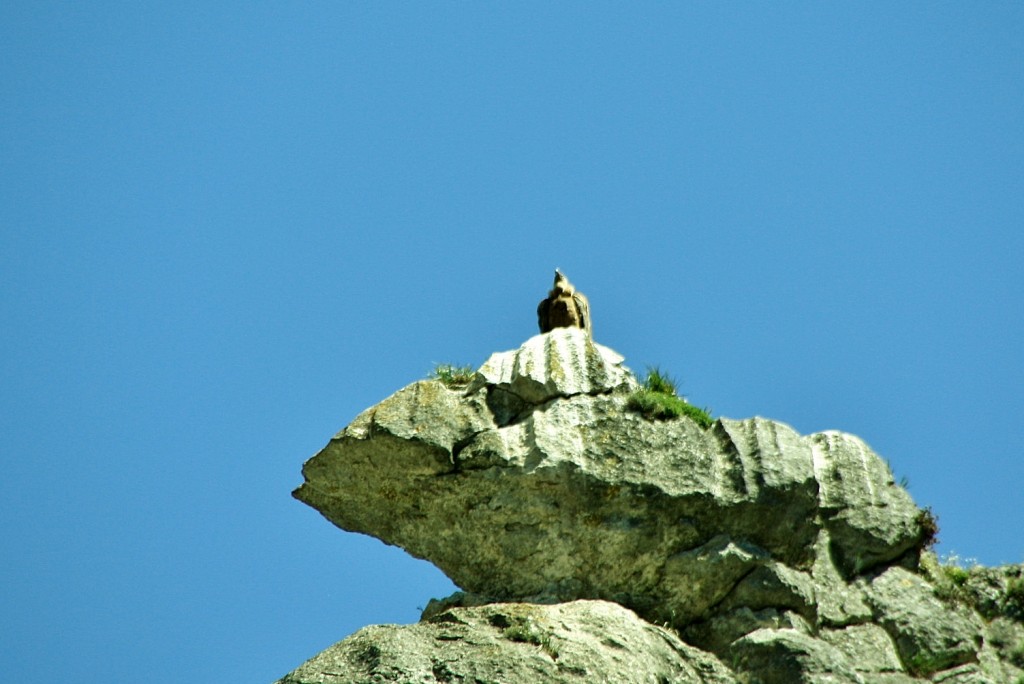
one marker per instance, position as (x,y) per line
(786,558)
(536,480)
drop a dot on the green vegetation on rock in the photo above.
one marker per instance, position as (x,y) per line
(525,629)
(929,524)
(451,375)
(996,594)
(949,578)
(1014,602)
(658,399)
(660,382)
(1017,655)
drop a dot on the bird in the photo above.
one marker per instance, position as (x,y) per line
(564,307)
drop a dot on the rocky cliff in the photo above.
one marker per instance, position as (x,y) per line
(594,544)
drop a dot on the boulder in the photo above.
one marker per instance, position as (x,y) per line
(537,480)
(870,519)
(869,648)
(788,656)
(573,525)
(582,641)
(929,634)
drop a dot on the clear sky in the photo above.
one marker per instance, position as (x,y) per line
(227,228)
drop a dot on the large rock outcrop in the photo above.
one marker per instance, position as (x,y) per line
(581,641)
(791,558)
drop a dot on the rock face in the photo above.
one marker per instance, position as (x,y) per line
(581,641)
(791,558)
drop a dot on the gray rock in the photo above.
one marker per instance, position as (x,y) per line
(561,363)
(838,603)
(929,635)
(583,641)
(774,585)
(1002,655)
(889,678)
(571,494)
(718,633)
(465,599)
(535,486)
(963,674)
(867,647)
(788,656)
(870,519)
(697,579)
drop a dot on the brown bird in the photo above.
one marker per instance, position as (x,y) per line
(564,307)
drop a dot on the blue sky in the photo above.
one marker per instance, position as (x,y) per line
(227,228)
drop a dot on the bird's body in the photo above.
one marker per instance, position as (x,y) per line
(564,307)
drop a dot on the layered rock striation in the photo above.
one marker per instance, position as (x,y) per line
(593,544)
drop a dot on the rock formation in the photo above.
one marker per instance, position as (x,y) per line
(564,307)
(592,544)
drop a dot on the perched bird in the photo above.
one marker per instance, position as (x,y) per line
(564,307)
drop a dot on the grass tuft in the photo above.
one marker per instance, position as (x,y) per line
(658,400)
(660,382)
(452,376)
(525,630)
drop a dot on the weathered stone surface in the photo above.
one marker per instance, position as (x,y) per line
(774,585)
(561,363)
(838,603)
(929,635)
(963,674)
(717,633)
(867,647)
(870,519)
(583,641)
(889,678)
(572,495)
(788,656)
(1002,655)
(788,557)
(697,579)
